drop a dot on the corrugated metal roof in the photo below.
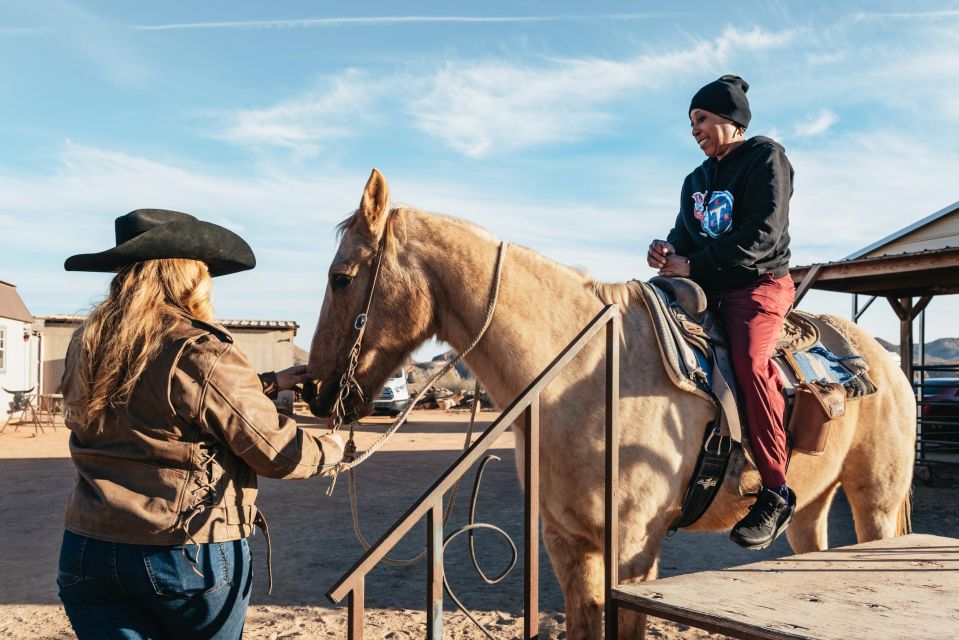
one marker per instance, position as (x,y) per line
(62,318)
(11,305)
(259,324)
(904,231)
(883,257)
(229,324)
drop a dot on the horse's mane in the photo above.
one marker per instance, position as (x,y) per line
(395,226)
(620,293)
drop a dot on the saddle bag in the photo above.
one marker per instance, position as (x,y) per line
(817,406)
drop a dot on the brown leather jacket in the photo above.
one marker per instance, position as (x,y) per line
(179,462)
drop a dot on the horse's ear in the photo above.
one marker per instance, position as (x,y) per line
(375,205)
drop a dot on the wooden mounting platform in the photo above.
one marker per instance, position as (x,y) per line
(905,587)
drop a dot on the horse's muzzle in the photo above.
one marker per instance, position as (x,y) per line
(319,403)
(320,397)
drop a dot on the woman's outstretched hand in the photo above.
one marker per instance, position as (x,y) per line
(659,250)
(288,378)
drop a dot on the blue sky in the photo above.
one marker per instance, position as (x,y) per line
(554,127)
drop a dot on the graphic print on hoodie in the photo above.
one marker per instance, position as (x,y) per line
(717,218)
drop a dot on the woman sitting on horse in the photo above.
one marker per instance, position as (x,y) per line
(170,428)
(731,237)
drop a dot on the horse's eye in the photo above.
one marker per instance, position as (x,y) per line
(340,281)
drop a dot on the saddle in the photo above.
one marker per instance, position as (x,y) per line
(695,352)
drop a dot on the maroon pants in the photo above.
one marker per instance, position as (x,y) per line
(753,317)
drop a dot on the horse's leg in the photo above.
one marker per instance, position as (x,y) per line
(876,490)
(578,565)
(808,529)
(641,567)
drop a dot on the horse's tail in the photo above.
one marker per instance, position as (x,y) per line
(904,519)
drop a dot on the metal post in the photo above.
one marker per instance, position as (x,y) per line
(922,344)
(855,308)
(434,577)
(354,625)
(531,524)
(611,540)
(921,391)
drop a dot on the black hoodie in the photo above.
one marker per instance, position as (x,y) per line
(744,233)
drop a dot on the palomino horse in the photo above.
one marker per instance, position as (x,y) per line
(434,278)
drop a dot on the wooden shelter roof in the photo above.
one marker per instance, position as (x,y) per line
(904,275)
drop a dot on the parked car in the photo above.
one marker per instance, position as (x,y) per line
(394,397)
(940,409)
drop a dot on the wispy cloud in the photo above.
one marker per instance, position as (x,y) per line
(483,107)
(908,15)
(479,107)
(361,21)
(307,122)
(288,219)
(816,125)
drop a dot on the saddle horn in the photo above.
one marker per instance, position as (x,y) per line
(687,293)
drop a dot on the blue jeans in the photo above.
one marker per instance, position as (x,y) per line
(134,592)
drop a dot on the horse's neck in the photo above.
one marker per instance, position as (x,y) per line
(541,306)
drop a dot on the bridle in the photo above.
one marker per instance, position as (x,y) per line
(349,385)
(348,382)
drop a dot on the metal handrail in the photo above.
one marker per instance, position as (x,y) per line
(931,430)
(430,504)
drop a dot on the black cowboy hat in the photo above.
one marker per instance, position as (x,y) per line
(154,234)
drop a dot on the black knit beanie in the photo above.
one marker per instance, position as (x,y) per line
(725,97)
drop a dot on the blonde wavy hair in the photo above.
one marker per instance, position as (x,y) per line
(126,331)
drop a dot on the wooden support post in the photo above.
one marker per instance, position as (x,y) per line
(434,577)
(808,281)
(907,313)
(903,309)
(531,522)
(354,625)
(857,311)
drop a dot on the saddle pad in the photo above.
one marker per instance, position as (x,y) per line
(818,363)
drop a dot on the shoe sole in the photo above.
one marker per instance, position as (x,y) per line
(763,545)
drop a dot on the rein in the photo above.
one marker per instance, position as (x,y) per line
(349,384)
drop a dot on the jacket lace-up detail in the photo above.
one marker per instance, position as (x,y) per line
(203,495)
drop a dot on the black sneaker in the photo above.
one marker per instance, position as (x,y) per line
(767,518)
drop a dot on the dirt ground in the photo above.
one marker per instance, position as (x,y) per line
(313,541)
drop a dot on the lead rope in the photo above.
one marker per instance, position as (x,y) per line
(348,382)
(447,512)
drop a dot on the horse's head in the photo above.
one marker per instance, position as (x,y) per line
(400,313)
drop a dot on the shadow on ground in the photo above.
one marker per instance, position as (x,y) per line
(313,541)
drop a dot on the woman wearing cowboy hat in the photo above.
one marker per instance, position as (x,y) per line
(732,238)
(170,428)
